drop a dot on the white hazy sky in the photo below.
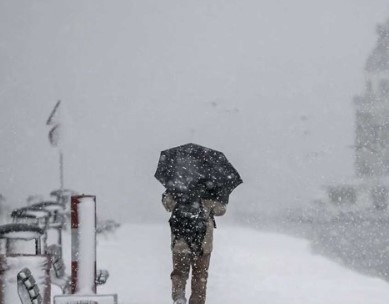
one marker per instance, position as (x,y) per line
(270,83)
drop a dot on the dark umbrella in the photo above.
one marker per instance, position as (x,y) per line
(182,167)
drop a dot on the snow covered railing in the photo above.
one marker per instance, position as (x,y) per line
(56,221)
(33,217)
(56,211)
(17,236)
(30,215)
(19,260)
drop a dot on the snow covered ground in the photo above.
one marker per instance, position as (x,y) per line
(247,266)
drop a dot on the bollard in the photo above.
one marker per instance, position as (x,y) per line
(84,278)
(83,244)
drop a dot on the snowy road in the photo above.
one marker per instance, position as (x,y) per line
(247,266)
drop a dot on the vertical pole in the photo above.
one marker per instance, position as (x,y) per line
(61,169)
(38,246)
(83,223)
(8,247)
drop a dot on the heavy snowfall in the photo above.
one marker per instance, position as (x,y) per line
(294,93)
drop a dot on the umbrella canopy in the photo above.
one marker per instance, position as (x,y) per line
(184,168)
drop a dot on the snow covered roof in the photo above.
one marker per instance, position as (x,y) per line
(378,60)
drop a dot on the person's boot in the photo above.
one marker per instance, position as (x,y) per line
(180,300)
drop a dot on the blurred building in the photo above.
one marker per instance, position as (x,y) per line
(372,112)
(368,190)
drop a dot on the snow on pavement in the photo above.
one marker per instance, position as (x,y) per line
(247,266)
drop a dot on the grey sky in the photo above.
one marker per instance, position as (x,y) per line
(269,83)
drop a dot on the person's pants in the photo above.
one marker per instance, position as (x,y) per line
(180,274)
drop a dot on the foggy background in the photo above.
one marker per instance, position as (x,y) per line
(269,83)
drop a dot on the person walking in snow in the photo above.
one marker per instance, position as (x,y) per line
(192,223)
